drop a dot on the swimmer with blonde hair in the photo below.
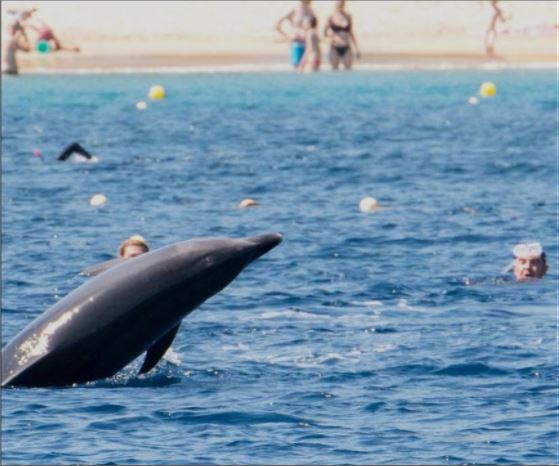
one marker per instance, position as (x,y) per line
(132,247)
(129,248)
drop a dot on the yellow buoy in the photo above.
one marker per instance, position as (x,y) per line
(487,89)
(156,93)
(247,203)
(368,204)
(97,200)
(141,105)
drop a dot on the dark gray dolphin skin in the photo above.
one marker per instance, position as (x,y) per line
(135,306)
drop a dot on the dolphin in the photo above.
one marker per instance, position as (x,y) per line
(134,306)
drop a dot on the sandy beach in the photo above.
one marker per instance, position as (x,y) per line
(177,36)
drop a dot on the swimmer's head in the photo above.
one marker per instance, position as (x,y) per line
(529,261)
(133,246)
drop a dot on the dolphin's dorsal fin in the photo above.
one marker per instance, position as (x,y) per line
(101,267)
(158,349)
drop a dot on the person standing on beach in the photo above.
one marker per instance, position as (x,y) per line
(339,29)
(15,40)
(16,21)
(12,46)
(491,33)
(296,18)
(311,57)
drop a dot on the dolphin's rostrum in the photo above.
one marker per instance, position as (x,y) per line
(135,306)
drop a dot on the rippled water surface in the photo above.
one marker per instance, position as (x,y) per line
(386,337)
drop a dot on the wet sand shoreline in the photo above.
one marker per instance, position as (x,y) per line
(69,63)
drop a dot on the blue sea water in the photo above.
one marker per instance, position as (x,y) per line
(386,337)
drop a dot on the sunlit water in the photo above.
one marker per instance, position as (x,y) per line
(386,337)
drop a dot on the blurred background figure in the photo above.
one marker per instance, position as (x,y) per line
(48,41)
(15,39)
(296,18)
(17,20)
(339,30)
(312,56)
(491,33)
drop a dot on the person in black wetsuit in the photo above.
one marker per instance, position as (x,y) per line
(72,149)
(339,30)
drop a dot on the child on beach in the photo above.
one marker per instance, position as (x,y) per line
(311,58)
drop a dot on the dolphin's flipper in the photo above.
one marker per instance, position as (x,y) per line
(158,349)
(101,267)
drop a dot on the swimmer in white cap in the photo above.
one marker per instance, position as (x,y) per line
(529,262)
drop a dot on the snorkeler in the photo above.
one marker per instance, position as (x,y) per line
(73,150)
(529,262)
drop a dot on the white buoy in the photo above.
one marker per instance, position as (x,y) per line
(368,204)
(473,100)
(247,203)
(97,200)
(141,105)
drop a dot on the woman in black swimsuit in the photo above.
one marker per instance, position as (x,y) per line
(339,30)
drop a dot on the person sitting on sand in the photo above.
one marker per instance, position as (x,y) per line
(132,247)
(339,29)
(529,262)
(311,58)
(296,19)
(48,41)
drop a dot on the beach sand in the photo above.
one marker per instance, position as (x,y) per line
(228,35)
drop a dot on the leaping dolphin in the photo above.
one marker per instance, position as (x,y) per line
(135,306)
